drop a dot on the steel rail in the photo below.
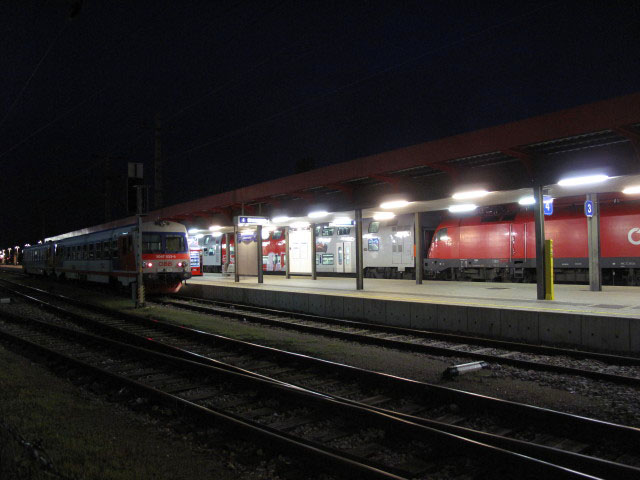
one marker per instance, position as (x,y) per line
(595,466)
(407,429)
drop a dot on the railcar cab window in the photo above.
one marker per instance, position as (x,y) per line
(344,230)
(277,234)
(441,235)
(175,243)
(151,243)
(327,232)
(374,227)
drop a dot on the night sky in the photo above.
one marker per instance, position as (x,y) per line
(251,91)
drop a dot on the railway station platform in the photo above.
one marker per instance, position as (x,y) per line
(604,321)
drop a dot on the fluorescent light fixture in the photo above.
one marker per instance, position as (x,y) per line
(631,190)
(403,234)
(394,204)
(585,180)
(214,228)
(383,215)
(318,214)
(200,235)
(463,207)
(216,234)
(528,200)
(470,194)
(193,231)
(280,219)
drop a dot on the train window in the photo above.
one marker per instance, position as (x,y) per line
(509,217)
(374,227)
(327,232)
(442,234)
(175,243)
(318,258)
(327,259)
(91,251)
(265,259)
(277,234)
(318,230)
(151,243)
(373,244)
(114,248)
(344,230)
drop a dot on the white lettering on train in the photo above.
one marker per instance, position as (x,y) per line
(630,236)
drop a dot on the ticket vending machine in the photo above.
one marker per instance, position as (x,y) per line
(195,257)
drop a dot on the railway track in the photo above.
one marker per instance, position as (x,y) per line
(598,366)
(338,437)
(551,436)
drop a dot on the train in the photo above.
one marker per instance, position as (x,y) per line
(496,244)
(501,247)
(109,256)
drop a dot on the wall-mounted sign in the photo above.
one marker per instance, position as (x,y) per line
(547,203)
(245,221)
(588,208)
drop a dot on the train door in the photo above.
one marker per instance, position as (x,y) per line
(344,263)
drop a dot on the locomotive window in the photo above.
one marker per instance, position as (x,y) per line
(374,227)
(327,232)
(318,230)
(175,243)
(344,230)
(327,259)
(91,251)
(442,234)
(509,217)
(151,243)
(277,234)
(373,244)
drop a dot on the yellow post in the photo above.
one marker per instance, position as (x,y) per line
(548,262)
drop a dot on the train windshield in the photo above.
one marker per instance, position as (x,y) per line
(175,243)
(164,243)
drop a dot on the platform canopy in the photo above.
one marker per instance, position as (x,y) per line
(602,137)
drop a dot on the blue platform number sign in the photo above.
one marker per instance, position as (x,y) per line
(588,208)
(547,203)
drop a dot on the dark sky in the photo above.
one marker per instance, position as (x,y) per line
(246,90)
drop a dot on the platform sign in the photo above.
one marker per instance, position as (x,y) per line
(248,221)
(547,203)
(588,208)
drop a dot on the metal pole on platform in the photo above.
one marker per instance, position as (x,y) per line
(227,262)
(314,275)
(538,213)
(593,234)
(359,256)
(140,297)
(236,242)
(419,256)
(259,243)
(287,255)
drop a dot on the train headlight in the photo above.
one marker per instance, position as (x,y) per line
(179,264)
(149,265)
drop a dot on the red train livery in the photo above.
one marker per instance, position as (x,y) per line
(503,248)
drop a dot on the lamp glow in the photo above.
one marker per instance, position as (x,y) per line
(318,214)
(214,228)
(193,231)
(585,180)
(470,194)
(394,204)
(463,207)
(280,219)
(528,200)
(383,215)
(631,190)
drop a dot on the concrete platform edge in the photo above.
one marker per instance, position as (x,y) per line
(600,333)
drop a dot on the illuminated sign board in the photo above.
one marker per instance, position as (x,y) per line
(247,221)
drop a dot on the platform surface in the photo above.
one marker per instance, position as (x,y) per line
(611,301)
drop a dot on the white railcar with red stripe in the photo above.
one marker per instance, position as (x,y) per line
(109,256)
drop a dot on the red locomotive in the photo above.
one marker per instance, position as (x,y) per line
(502,247)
